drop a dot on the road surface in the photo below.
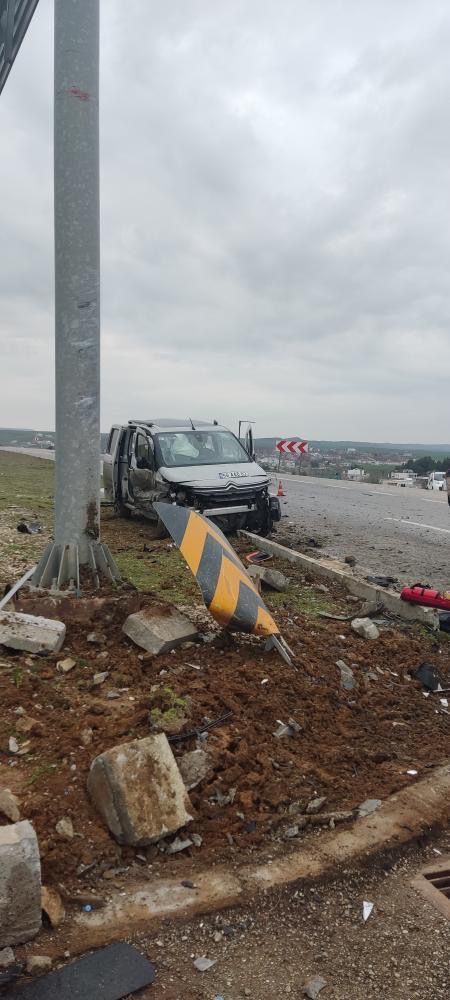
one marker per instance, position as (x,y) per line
(47,453)
(390,530)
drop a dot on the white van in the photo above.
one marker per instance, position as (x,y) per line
(437,481)
(190,463)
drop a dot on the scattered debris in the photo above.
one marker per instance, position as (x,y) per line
(315,805)
(367,909)
(64,828)
(202,729)
(313,987)
(347,676)
(203,964)
(368,807)
(292,831)
(271,578)
(256,558)
(86,736)
(36,964)
(197,840)
(428,677)
(188,884)
(194,767)
(9,805)
(412,773)
(159,633)
(64,666)
(110,973)
(20,883)
(100,678)
(365,628)
(291,728)
(350,560)
(13,745)
(6,958)
(29,528)
(382,581)
(31,634)
(178,845)
(153,804)
(96,637)
(52,905)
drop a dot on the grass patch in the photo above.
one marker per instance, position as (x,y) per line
(300,598)
(26,482)
(163,571)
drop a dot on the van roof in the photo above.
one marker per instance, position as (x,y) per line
(165,424)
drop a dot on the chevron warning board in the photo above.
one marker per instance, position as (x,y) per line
(228,591)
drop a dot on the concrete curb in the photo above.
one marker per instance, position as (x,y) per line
(330,569)
(413,811)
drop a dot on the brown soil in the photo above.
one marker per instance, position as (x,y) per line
(352,745)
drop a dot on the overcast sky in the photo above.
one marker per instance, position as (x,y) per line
(275,217)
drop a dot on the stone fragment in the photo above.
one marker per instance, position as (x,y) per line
(30,633)
(9,805)
(271,578)
(313,987)
(203,964)
(6,958)
(64,666)
(37,964)
(100,678)
(368,807)
(138,790)
(194,767)
(158,633)
(365,628)
(20,883)
(52,905)
(65,828)
(347,677)
(315,805)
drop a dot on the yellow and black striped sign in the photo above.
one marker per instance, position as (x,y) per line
(228,591)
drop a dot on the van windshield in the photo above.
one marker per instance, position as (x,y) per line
(199,448)
(439,476)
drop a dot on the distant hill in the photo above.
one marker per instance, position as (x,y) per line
(425,449)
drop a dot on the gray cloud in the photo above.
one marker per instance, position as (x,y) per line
(274,204)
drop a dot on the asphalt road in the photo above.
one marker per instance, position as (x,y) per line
(390,530)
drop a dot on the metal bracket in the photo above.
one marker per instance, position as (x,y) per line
(59,566)
(281,646)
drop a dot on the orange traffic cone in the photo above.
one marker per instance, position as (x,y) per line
(281,492)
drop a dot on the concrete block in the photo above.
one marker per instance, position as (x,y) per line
(20,884)
(365,628)
(269,577)
(138,790)
(158,633)
(30,633)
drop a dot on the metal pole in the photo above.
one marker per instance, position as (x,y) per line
(77,273)
(77,300)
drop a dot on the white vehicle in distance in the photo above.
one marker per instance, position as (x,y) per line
(436,481)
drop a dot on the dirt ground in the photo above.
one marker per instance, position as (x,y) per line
(350,745)
(269,951)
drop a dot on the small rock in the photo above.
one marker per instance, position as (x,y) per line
(52,905)
(291,728)
(347,678)
(315,805)
(187,884)
(86,736)
(38,963)
(350,560)
(178,845)
(65,828)
(218,937)
(9,805)
(368,807)
(291,832)
(65,665)
(365,628)
(96,637)
(6,958)
(100,678)
(197,840)
(313,987)
(194,766)
(203,964)
(321,587)
(112,694)
(13,745)
(26,724)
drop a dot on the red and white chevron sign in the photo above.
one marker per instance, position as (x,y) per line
(290,447)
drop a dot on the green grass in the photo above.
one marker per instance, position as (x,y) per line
(26,482)
(300,598)
(162,571)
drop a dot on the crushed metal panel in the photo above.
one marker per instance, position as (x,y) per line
(434,884)
(15,17)
(229,593)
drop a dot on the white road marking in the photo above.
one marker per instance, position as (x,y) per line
(417,524)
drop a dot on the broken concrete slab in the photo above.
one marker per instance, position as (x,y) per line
(194,767)
(138,790)
(269,577)
(31,634)
(368,807)
(365,628)
(157,632)
(20,883)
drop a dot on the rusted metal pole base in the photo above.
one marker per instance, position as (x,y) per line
(59,567)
